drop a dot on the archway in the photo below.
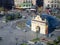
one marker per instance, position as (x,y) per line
(38,29)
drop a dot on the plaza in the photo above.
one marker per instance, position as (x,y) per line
(11,35)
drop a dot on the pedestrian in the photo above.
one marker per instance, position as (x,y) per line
(16,40)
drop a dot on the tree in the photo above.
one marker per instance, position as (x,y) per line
(49,43)
(8,17)
(58,38)
(7,4)
(23,44)
(17,15)
(39,3)
(55,42)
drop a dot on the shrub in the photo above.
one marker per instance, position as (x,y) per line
(24,44)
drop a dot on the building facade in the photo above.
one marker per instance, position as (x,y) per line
(24,3)
(46,3)
(52,3)
(39,25)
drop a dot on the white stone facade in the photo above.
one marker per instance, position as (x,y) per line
(37,24)
(52,3)
(18,2)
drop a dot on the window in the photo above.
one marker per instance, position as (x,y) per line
(29,5)
(55,5)
(52,5)
(51,1)
(55,1)
(26,5)
(48,5)
(24,2)
(48,1)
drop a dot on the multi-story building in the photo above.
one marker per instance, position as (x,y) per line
(24,3)
(52,3)
(34,2)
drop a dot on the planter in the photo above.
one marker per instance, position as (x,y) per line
(18,27)
(34,41)
(31,42)
(23,44)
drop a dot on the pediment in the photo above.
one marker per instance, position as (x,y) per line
(38,18)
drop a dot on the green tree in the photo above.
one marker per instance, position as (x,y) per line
(1,8)
(48,43)
(23,44)
(17,15)
(58,38)
(55,42)
(8,17)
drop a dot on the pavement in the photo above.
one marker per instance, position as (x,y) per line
(11,35)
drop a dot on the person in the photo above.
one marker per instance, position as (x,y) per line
(16,40)
(47,11)
(0,38)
